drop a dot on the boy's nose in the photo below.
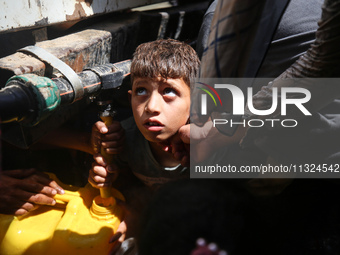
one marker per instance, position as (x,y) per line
(153,104)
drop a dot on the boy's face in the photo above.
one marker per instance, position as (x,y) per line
(160,107)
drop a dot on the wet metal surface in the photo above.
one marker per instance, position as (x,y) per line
(80,50)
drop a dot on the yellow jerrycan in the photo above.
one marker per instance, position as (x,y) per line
(81,222)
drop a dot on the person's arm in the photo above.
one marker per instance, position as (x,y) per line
(321,60)
(111,138)
(22,190)
(203,141)
(70,139)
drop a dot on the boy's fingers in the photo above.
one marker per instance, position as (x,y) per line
(118,136)
(102,180)
(96,184)
(113,151)
(115,126)
(93,183)
(99,180)
(111,144)
(96,142)
(100,171)
(101,127)
(99,159)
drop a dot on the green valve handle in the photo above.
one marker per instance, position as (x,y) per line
(46,94)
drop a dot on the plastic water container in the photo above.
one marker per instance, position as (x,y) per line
(78,224)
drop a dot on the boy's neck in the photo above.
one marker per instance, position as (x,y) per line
(163,158)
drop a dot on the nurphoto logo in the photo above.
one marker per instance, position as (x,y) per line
(239,103)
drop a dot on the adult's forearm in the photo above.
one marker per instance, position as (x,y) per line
(321,63)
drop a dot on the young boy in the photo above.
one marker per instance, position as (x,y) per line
(161,74)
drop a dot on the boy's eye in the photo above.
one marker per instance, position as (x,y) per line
(140,91)
(169,92)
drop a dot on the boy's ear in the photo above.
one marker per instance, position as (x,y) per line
(129,95)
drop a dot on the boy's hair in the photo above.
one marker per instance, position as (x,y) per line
(167,58)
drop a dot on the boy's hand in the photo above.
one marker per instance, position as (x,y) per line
(101,174)
(23,190)
(109,137)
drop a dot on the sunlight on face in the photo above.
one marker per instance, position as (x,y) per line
(160,107)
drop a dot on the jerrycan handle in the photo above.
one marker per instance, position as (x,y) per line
(63,199)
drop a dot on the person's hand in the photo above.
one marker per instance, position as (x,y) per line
(111,137)
(118,238)
(180,145)
(22,190)
(101,174)
(126,229)
(204,141)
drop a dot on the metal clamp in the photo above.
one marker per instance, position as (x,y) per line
(63,68)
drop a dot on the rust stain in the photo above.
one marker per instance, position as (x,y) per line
(93,49)
(22,70)
(78,63)
(78,12)
(30,68)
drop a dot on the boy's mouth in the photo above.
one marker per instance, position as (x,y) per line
(153,125)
